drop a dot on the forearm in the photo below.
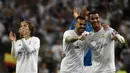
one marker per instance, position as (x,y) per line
(116,36)
(120,38)
(27,46)
(71,39)
(13,49)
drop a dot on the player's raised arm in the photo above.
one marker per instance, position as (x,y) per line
(12,38)
(15,46)
(116,36)
(70,39)
(35,44)
(76,12)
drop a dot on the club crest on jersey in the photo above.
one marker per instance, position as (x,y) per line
(103,35)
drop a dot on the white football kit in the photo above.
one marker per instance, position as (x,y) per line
(74,52)
(102,45)
(26,53)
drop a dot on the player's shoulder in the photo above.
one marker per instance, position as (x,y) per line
(110,29)
(68,31)
(35,38)
(19,40)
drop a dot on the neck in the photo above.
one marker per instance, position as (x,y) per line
(97,28)
(26,36)
(78,33)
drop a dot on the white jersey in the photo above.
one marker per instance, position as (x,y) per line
(74,52)
(102,51)
(26,53)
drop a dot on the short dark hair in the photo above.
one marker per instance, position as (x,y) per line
(80,17)
(92,12)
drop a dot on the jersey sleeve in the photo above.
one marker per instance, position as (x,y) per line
(14,49)
(66,34)
(120,38)
(34,46)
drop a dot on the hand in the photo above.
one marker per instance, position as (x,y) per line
(62,54)
(118,37)
(12,36)
(76,12)
(114,37)
(85,33)
(21,31)
(82,37)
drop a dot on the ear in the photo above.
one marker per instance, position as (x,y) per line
(30,32)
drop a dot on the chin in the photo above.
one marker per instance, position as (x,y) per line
(82,31)
(97,28)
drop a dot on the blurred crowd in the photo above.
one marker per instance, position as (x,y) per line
(51,18)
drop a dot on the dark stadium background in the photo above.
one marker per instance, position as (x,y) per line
(51,18)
